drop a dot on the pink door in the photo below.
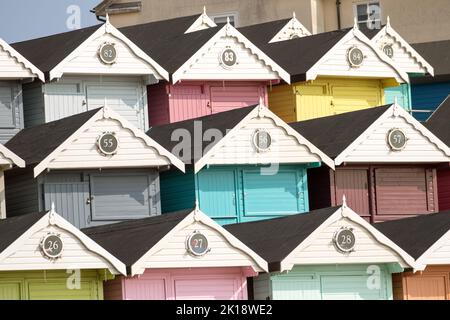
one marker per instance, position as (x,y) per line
(205,289)
(226,98)
(188,102)
(146,289)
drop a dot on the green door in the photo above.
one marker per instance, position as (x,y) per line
(349,287)
(10,291)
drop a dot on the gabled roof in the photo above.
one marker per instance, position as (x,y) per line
(148,235)
(202,22)
(21,59)
(52,52)
(439,122)
(278,239)
(40,144)
(9,158)
(16,231)
(333,134)
(417,234)
(436,53)
(226,123)
(312,50)
(412,53)
(339,135)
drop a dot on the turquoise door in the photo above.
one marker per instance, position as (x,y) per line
(272,195)
(348,287)
(402,93)
(217,194)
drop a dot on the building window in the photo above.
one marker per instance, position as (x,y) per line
(368,14)
(221,19)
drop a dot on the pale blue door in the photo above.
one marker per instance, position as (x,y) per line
(217,194)
(402,93)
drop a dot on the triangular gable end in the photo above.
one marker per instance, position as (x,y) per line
(8,158)
(134,148)
(225,249)
(239,146)
(292,30)
(228,55)
(404,55)
(130,59)
(375,64)
(372,146)
(370,247)
(437,254)
(203,22)
(14,66)
(78,250)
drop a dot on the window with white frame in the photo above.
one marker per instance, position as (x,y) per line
(368,14)
(222,18)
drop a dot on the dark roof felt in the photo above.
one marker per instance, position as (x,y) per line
(417,234)
(47,52)
(439,122)
(275,239)
(129,241)
(34,144)
(437,55)
(12,228)
(222,121)
(309,50)
(262,33)
(333,134)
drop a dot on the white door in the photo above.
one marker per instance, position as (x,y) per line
(124,99)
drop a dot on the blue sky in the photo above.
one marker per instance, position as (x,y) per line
(28,19)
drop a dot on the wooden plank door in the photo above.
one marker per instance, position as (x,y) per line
(10,290)
(188,102)
(353,183)
(312,101)
(205,289)
(227,98)
(427,287)
(352,98)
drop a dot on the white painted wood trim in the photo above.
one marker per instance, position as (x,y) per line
(397,111)
(263,111)
(388,30)
(293,24)
(107,113)
(404,259)
(202,22)
(312,73)
(198,216)
(229,30)
(51,218)
(21,59)
(422,261)
(12,157)
(106,28)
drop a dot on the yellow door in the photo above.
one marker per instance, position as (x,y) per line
(313,101)
(347,98)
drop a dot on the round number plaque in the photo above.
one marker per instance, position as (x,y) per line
(388,50)
(228,58)
(107,143)
(107,53)
(396,139)
(197,244)
(355,57)
(52,246)
(262,140)
(344,240)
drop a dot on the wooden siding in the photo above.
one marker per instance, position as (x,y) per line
(431,284)
(33,104)
(188,101)
(428,97)
(49,285)
(183,284)
(248,67)
(374,147)
(443,186)
(90,198)
(22,195)
(113,289)
(322,251)
(88,62)
(324,96)
(354,185)
(10,68)
(441,254)
(401,94)
(11,115)
(336,282)
(75,254)
(174,254)
(158,104)
(83,153)
(262,287)
(231,194)
(177,190)
(372,66)
(320,188)
(239,148)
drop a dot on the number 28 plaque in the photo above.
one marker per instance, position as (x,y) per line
(197,244)
(344,240)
